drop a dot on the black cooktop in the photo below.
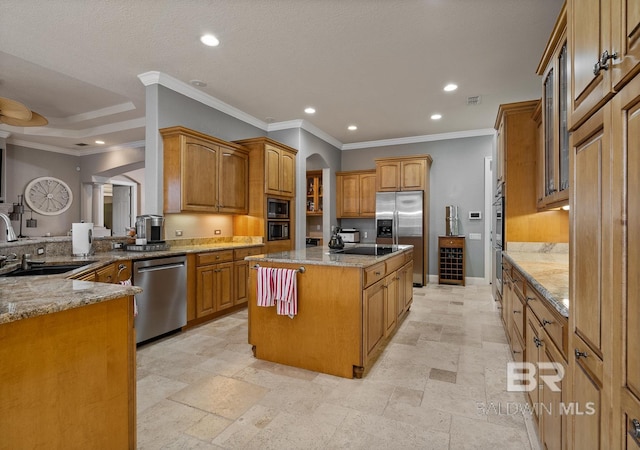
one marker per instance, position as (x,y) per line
(374,251)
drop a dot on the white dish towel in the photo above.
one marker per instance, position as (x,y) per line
(265,287)
(286,292)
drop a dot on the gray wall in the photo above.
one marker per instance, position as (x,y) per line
(23,165)
(457,178)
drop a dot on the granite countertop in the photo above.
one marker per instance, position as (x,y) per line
(29,296)
(323,256)
(548,273)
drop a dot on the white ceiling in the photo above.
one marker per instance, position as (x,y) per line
(379,64)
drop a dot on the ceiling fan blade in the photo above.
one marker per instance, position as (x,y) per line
(36,121)
(14,109)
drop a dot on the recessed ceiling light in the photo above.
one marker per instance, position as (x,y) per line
(198,83)
(99,142)
(436,116)
(450,87)
(310,110)
(210,40)
(352,128)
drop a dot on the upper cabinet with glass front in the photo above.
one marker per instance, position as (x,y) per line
(554,146)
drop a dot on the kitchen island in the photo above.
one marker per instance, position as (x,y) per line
(348,307)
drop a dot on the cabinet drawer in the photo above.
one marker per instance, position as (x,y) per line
(451,242)
(517,349)
(214,257)
(373,273)
(553,323)
(241,253)
(408,256)
(518,282)
(106,274)
(587,359)
(394,263)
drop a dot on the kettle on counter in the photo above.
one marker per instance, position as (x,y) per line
(336,242)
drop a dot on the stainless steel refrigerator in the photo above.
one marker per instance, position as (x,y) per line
(400,220)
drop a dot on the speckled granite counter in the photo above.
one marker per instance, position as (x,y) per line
(324,256)
(29,296)
(547,269)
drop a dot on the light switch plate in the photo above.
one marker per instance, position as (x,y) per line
(475,236)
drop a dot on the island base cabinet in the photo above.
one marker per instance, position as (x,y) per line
(326,334)
(68,379)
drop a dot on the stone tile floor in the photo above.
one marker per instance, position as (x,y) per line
(440,383)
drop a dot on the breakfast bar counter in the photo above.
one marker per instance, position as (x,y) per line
(348,305)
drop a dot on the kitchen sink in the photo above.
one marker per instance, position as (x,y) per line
(52,269)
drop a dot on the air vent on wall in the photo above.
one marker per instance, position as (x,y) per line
(475,100)
(81,144)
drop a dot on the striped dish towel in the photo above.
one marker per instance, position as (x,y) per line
(135,304)
(286,292)
(265,287)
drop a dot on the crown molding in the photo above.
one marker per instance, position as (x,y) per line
(73,152)
(307,126)
(96,114)
(155,77)
(419,139)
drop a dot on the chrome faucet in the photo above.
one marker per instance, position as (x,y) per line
(11,235)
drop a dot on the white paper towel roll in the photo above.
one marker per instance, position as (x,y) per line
(82,238)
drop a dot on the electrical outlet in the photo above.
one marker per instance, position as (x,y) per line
(40,251)
(475,236)
(217,231)
(178,232)
(317,227)
(365,234)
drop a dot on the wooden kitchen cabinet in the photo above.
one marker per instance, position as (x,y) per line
(111,273)
(626,261)
(405,288)
(241,272)
(314,193)
(356,194)
(203,174)
(600,29)
(590,280)
(374,317)
(214,282)
(273,166)
(402,174)
(553,156)
(518,139)
(391,294)
(69,378)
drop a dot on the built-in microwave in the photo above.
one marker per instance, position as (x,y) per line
(277,208)
(278,230)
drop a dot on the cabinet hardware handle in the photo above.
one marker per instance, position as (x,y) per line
(545,322)
(530,299)
(636,428)
(376,273)
(516,351)
(580,354)
(537,341)
(603,64)
(515,311)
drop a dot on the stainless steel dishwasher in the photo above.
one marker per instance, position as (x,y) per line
(162,305)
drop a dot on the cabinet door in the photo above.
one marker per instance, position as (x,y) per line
(586,429)
(388,176)
(589,28)
(205,290)
(625,26)
(413,175)
(551,397)
(349,196)
(223,286)
(408,285)
(199,176)
(591,178)
(532,356)
(241,279)
(373,317)
(288,173)
(390,303)
(106,274)
(234,182)
(272,170)
(368,195)
(626,136)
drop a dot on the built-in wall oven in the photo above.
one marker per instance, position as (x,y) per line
(277,208)
(277,219)
(498,236)
(278,230)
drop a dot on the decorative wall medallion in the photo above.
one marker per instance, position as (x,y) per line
(48,196)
